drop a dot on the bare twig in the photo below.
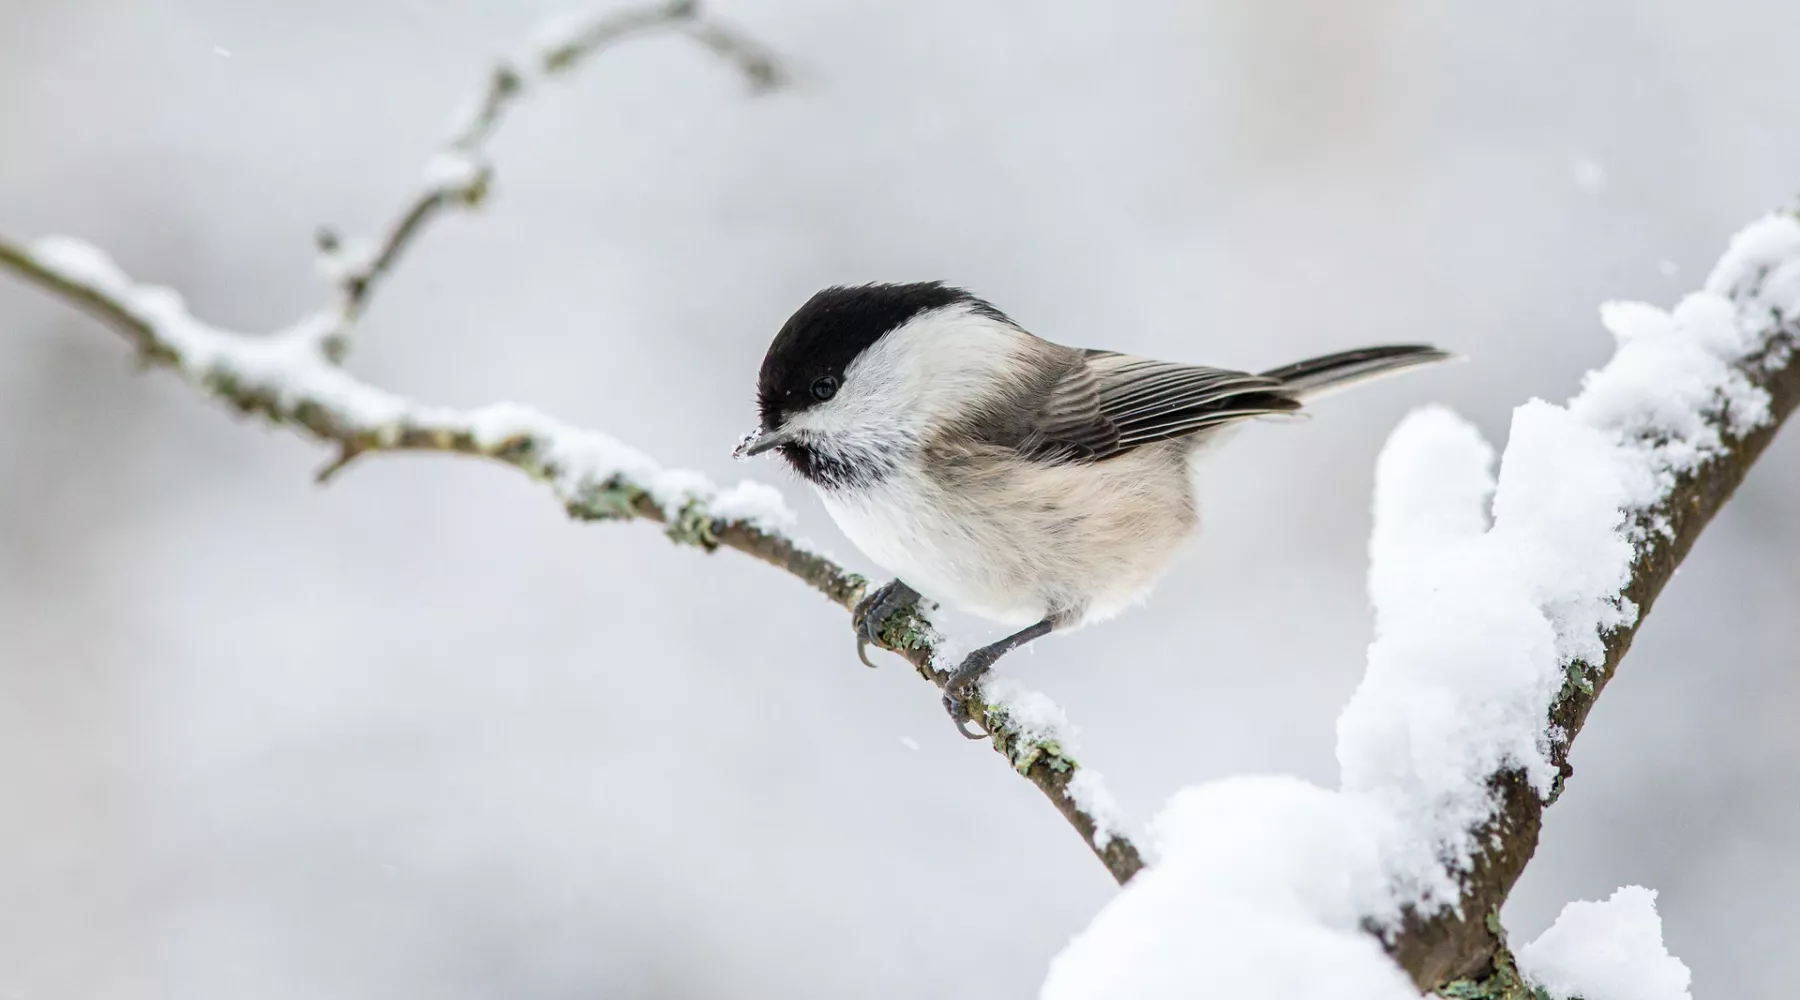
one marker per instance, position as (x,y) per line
(459,176)
(294,378)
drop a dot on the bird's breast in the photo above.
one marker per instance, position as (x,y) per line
(1016,542)
(940,549)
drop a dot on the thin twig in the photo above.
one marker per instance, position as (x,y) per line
(459,176)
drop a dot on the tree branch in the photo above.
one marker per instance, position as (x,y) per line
(293,378)
(459,176)
(1437,949)
(1504,600)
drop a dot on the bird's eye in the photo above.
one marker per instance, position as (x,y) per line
(824,387)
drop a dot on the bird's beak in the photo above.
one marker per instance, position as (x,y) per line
(760,440)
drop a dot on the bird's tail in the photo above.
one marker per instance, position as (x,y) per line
(1315,377)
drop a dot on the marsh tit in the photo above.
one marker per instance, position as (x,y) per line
(1040,486)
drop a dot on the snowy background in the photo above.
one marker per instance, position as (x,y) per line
(416,734)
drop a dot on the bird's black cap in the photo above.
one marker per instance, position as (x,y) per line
(826,334)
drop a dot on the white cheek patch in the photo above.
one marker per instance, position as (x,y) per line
(871,396)
(933,365)
(852,422)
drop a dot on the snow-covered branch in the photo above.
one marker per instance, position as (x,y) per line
(1503,606)
(1606,498)
(294,378)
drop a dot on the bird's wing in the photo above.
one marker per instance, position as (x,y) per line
(1108,404)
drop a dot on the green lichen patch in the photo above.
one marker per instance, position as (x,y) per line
(1504,983)
(907,628)
(1023,751)
(613,500)
(693,525)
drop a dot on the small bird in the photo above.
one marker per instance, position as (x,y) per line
(1040,486)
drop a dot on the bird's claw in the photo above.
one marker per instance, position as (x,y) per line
(872,613)
(960,717)
(960,690)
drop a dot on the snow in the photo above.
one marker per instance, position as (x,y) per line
(1434,497)
(1041,726)
(1688,354)
(347,258)
(1474,628)
(452,172)
(1088,790)
(81,263)
(556,41)
(286,363)
(1606,951)
(290,367)
(743,446)
(559,33)
(1258,893)
(1588,174)
(1769,243)
(1489,590)
(1031,714)
(676,489)
(583,460)
(755,504)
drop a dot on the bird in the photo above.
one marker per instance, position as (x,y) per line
(1039,486)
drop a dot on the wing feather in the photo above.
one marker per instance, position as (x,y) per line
(1070,424)
(1107,404)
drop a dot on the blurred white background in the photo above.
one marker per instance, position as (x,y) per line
(417,735)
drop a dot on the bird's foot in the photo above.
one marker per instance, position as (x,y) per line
(874,612)
(962,690)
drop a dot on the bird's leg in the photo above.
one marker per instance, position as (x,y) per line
(871,615)
(959,690)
